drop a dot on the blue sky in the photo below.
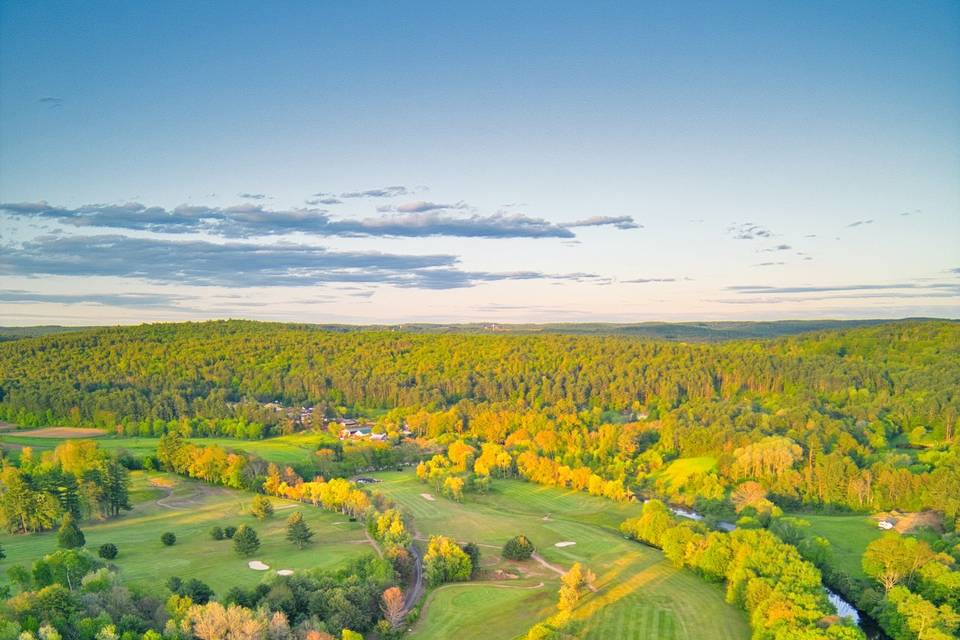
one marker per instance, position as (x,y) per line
(391,162)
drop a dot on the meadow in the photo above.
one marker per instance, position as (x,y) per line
(639,593)
(189,509)
(848,535)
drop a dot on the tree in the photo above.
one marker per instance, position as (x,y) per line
(197,590)
(892,558)
(116,487)
(392,606)
(3,554)
(445,561)
(298,532)
(214,622)
(70,536)
(572,584)
(108,551)
(216,533)
(453,487)
(228,532)
(472,550)
(518,548)
(261,507)
(168,539)
(245,541)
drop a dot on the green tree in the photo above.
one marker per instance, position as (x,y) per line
(168,539)
(518,548)
(261,507)
(108,551)
(298,532)
(445,561)
(216,533)
(245,541)
(892,558)
(70,536)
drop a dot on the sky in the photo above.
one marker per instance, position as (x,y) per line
(390,162)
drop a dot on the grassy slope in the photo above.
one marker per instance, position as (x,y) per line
(849,536)
(192,509)
(640,595)
(293,449)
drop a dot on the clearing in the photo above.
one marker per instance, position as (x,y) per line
(638,593)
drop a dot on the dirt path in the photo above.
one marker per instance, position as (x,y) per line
(426,604)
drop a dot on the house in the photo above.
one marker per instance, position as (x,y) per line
(355,431)
(378,436)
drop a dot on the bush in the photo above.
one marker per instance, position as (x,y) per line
(216,533)
(518,548)
(108,551)
(229,531)
(199,592)
(168,539)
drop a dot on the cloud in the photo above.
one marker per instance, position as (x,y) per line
(769,264)
(201,263)
(385,192)
(136,300)
(779,247)
(51,101)
(315,201)
(649,280)
(859,223)
(252,196)
(422,206)
(620,222)
(748,231)
(765,289)
(247,220)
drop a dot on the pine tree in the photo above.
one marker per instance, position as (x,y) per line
(298,532)
(245,541)
(70,536)
(116,488)
(261,507)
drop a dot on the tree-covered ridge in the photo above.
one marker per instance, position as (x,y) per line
(169,371)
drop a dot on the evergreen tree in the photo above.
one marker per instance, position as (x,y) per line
(261,507)
(245,541)
(70,536)
(298,532)
(116,481)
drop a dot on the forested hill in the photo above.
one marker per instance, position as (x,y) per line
(170,371)
(682,331)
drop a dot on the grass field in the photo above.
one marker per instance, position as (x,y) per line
(849,535)
(190,509)
(639,594)
(679,470)
(287,450)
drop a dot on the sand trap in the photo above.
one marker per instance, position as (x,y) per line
(427,496)
(284,572)
(256,565)
(565,543)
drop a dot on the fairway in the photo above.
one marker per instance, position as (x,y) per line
(639,594)
(295,449)
(189,510)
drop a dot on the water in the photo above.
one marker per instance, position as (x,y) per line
(844,608)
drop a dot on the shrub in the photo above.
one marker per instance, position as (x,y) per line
(216,533)
(70,536)
(518,548)
(229,531)
(198,591)
(108,551)
(168,539)
(245,541)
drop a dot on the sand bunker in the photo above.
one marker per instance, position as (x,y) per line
(565,543)
(427,496)
(256,565)
(284,572)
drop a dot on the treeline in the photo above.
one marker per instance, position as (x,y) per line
(208,370)
(781,592)
(76,478)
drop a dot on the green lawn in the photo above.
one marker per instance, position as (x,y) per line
(640,595)
(849,536)
(190,510)
(294,449)
(680,469)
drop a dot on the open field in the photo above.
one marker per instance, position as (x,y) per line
(679,470)
(190,509)
(293,449)
(639,594)
(62,433)
(849,535)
